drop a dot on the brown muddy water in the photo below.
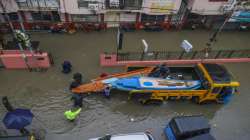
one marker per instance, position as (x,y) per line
(47,94)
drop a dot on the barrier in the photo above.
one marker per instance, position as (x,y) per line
(158,57)
(14,59)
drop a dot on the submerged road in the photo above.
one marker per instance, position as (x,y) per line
(47,94)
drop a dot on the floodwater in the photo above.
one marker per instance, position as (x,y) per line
(47,94)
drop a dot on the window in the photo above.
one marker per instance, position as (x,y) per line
(152,18)
(46,17)
(56,16)
(22,3)
(173,127)
(41,3)
(83,3)
(52,3)
(132,4)
(32,3)
(36,16)
(216,90)
(39,16)
(37,3)
(113,4)
(88,18)
(13,16)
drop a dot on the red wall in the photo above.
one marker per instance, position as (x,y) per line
(13,59)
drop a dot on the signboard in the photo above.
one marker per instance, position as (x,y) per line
(145,50)
(240,16)
(162,6)
(186,46)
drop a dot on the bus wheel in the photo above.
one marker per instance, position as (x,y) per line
(195,99)
(142,101)
(154,102)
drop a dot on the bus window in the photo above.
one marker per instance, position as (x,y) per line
(216,90)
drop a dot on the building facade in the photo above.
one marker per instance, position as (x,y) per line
(10,7)
(38,14)
(41,14)
(241,15)
(116,12)
(31,14)
(212,13)
(80,10)
(126,11)
(208,12)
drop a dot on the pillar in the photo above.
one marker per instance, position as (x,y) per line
(51,16)
(138,15)
(102,18)
(138,24)
(21,21)
(66,17)
(25,21)
(23,16)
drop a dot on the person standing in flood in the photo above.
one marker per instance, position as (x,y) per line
(66,67)
(160,71)
(106,92)
(72,114)
(76,97)
(164,71)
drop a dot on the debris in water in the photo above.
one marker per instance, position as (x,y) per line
(214,125)
(132,119)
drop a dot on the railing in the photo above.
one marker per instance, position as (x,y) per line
(34,5)
(38,8)
(175,55)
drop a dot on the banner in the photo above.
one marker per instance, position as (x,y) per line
(240,16)
(162,6)
(186,46)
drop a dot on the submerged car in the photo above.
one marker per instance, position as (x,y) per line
(131,136)
(188,128)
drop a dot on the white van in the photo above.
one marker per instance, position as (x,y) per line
(131,136)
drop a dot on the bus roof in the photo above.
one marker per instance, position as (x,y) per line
(218,73)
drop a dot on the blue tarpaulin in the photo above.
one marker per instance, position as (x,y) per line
(18,119)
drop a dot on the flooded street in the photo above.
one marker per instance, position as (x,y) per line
(47,94)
